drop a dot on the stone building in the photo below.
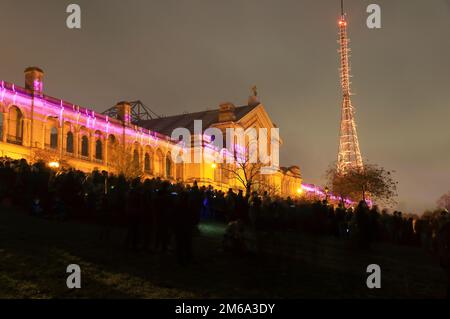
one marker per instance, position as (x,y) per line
(36,126)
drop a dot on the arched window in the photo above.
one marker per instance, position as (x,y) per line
(112,149)
(15,130)
(69,142)
(99,150)
(168,166)
(1,126)
(84,146)
(54,138)
(158,163)
(136,158)
(147,164)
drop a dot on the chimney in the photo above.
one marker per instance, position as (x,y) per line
(124,112)
(34,78)
(226,112)
(253,100)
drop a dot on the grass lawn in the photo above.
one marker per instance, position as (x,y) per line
(34,254)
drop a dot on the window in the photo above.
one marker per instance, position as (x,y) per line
(147,164)
(112,151)
(99,150)
(69,142)
(85,146)
(1,126)
(159,163)
(168,167)
(15,129)
(54,138)
(136,158)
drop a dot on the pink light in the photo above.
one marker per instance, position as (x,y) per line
(61,114)
(310,188)
(37,86)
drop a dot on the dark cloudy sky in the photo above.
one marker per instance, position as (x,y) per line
(190,55)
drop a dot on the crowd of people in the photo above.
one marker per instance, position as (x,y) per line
(157,213)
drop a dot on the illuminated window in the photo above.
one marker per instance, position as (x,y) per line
(15,127)
(147,163)
(1,126)
(112,143)
(54,138)
(99,150)
(69,142)
(168,167)
(136,158)
(85,146)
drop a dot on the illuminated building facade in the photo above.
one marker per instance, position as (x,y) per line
(36,126)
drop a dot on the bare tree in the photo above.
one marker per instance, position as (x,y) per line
(122,161)
(245,172)
(246,168)
(269,188)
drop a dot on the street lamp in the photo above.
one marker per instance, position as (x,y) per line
(326,193)
(55,165)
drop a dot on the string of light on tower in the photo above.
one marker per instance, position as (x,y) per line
(349,156)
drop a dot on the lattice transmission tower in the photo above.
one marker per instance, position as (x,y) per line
(139,112)
(349,156)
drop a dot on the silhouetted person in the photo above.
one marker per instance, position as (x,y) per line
(133,218)
(444,252)
(163,212)
(195,203)
(185,222)
(105,217)
(255,211)
(230,203)
(148,216)
(241,207)
(362,231)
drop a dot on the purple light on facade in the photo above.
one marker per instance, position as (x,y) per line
(45,105)
(37,86)
(310,188)
(61,118)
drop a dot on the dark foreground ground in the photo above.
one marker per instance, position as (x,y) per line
(34,254)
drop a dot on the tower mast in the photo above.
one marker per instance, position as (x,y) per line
(349,156)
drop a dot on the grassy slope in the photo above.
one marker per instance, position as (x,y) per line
(34,254)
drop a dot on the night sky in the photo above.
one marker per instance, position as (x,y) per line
(182,56)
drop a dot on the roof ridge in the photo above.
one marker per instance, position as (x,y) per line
(196,112)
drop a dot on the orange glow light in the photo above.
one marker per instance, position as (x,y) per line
(53,164)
